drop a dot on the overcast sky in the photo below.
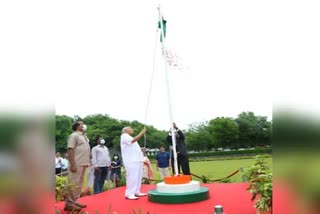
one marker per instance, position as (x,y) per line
(97,57)
(112,46)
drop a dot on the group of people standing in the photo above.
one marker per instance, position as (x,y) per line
(163,158)
(98,175)
(61,163)
(134,160)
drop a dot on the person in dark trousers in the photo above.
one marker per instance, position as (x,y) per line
(116,164)
(59,164)
(182,155)
(101,162)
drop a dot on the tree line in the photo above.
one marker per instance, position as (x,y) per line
(247,130)
(107,127)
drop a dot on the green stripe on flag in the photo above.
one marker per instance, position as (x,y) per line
(164,22)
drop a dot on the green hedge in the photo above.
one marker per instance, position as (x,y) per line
(227,153)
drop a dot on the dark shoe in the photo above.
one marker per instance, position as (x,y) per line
(71,207)
(80,205)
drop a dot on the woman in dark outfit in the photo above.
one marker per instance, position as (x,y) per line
(116,164)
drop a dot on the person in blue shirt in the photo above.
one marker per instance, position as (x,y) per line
(163,162)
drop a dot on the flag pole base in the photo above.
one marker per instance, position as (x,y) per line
(178,193)
(177,179)
(178,198)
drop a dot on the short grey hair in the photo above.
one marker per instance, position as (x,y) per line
(125,129)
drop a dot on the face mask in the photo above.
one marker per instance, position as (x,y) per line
(84,127)
(102,141)
(115,158)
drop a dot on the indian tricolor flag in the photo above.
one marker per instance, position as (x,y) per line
(164,22)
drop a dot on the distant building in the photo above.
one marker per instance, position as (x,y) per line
(152,151)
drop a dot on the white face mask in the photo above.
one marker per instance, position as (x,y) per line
(115,157)
(84,127)
(102,141)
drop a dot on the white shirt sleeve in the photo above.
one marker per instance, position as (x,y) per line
(108,158)
(65,163)
(94,157)
(126,139)
(62,162)
(59,164)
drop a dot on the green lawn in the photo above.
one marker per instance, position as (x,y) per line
(214,169)
(218,169)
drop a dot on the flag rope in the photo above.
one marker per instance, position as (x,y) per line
(150,87)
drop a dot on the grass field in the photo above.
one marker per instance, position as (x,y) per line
(214,169)
(218,169)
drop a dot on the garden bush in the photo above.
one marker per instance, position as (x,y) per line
(60,187)
(260,177)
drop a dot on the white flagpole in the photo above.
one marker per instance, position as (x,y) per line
(168,94)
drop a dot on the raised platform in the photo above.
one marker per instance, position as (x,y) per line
(234,198)
(178,188)
(179,179)
(178,198)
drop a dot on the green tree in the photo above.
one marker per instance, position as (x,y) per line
(107,127)
(225,132)
(63,130)
(104,126)
(246,130)
(264,131)
(254,130)
(199,138)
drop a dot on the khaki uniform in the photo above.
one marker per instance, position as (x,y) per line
(80,143)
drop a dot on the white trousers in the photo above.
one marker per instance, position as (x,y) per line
(91,176)
(133,178)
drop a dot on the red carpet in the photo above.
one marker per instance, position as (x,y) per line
(233,197)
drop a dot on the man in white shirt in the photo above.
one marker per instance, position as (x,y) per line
(65,163)
(133,161)
(101,163)
(59,164)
